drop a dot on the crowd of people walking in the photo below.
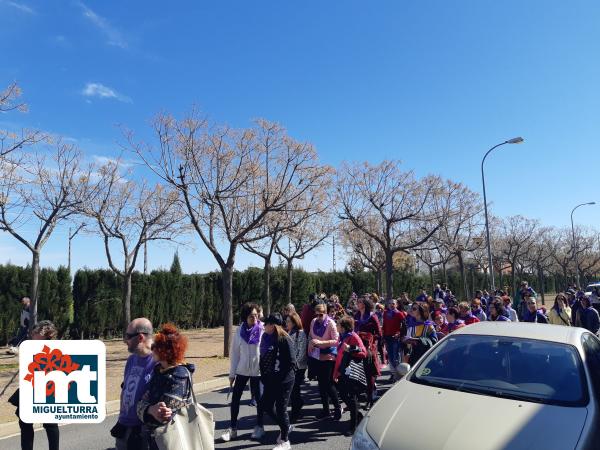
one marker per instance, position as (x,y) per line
(342,348)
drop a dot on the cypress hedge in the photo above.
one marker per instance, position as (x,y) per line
(91,307)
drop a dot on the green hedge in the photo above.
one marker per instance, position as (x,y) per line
(93,307)
(56,301)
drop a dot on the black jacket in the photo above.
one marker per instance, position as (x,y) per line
(172,387)
(278,364)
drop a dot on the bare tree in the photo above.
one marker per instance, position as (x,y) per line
(302,239)
(588,253)
(517,236)
(231,183)
(131,213)
(431,258)
(540,255)
(36,194)
(264,249)
(399,204)
(365,252)
(562,254)
(12,141)
(460,233)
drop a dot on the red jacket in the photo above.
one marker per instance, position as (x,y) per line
(470,319)
(391,325)
(352,340)
(306,316)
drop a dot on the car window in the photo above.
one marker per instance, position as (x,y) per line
(525,369)
(591,350)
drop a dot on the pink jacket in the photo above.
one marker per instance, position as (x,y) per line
(329,339)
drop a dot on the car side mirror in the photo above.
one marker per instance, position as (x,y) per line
(403,369)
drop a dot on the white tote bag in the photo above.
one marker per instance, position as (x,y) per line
(192,428)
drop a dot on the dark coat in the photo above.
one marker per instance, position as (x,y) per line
(171,387)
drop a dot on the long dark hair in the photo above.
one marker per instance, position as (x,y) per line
(499,307)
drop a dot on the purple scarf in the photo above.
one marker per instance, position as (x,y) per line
(390,313)
(266,342)
(319,328)
(251,335)
(361,320)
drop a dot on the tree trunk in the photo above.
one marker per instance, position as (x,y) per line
(378,277)
(472,270)
(513,278)
(463,276)
(389,274)
(431,279)
(227,275)
(290,272)
(267,286)
(35,283)
(126,300)
(445,274)
(541,281)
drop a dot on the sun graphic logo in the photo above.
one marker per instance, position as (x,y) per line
(62,381)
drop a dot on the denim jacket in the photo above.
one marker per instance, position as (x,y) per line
(171,387)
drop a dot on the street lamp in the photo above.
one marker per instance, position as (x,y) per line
(516,140)
(575,244)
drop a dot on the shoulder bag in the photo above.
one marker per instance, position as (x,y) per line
(192,428)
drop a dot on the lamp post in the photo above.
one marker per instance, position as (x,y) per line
(516,140)
(575,244)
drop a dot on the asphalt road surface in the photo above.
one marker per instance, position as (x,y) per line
(308,434)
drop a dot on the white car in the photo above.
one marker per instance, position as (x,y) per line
(592,291)
(494,385)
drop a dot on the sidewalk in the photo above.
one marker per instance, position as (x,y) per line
(112,407)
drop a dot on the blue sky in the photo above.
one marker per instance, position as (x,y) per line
(432,83)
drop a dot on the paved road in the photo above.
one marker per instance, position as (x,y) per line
(307,435)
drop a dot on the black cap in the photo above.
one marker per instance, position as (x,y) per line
(274,319)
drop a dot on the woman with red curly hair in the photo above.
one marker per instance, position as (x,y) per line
(170,387)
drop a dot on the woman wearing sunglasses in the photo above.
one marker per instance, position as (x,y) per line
(244,367)
(322,350)
(421,334)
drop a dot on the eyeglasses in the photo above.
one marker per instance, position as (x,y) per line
(320,314)
(531,303)
(132,335)
(414,308)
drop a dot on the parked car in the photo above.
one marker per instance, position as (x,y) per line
(494,386)
(593,292)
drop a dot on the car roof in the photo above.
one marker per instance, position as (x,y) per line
(594,284)
(525,330)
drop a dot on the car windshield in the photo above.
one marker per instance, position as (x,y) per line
(522,369)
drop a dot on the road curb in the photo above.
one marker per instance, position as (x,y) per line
(11,429)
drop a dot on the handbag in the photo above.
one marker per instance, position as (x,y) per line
(192,428)
(355,372)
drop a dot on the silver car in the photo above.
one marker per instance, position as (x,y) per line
(494,385)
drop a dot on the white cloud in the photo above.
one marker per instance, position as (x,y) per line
(20,6)
(101,91)
(115,37)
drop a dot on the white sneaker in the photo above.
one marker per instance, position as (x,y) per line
(13,350)
(283,446)
(230,433)
(290,429)
(258,433)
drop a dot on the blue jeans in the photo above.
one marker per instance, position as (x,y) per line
(393,350)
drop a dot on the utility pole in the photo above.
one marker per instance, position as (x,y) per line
(333,256)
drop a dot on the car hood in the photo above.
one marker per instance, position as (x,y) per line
(412,416)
